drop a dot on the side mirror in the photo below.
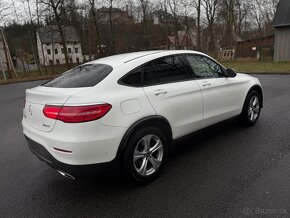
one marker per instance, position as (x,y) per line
(231,73)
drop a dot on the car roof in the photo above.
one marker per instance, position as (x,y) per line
(120,59)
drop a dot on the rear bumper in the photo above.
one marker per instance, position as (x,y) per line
(77,171)
(88,143)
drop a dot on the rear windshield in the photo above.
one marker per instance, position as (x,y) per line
(83,76)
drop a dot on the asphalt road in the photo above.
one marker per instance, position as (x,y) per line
(225,171)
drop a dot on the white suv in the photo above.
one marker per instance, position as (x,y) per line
(126,110)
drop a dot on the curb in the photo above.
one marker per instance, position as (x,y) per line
(26,80)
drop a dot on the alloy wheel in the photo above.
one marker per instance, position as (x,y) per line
(254,108)
(148,155)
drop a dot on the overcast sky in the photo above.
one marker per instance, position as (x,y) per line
(11,14)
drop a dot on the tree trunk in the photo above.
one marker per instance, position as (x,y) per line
(112,49)
(61,33)
(211,45)
(198,26)
(99,48)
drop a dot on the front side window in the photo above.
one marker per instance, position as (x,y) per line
(171,69)
(204,67)
(82,76)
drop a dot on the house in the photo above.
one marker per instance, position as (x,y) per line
(6,63)
(281,24)
(50,48)
(117,15)
(259,47)
(161,17)
(186,40)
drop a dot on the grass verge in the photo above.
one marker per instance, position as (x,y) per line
(258,67)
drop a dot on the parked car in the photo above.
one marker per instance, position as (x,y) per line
(126,110)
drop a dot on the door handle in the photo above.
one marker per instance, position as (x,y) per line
(205,84)
(160,92)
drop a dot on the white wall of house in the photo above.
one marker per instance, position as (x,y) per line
(53,53)
(155,19)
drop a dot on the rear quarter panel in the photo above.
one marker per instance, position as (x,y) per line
(129,104)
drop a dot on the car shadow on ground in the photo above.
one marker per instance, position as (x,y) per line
(186,146)
(188,166)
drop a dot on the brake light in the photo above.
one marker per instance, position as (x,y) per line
(76,114)
(51,111)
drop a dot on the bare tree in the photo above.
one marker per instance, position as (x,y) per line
(145,8)
(198,9)
(112,34)
(57,7)
(4,10)
(162,4)
(173,5)
(227,13)
(210,7)
(93,12)
(262,13)
(32,33)
(15,11)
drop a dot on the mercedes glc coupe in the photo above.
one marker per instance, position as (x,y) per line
(126,110)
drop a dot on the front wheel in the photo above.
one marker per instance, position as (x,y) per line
(145,154)
(251,110)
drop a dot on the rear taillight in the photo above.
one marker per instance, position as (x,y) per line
(76,114)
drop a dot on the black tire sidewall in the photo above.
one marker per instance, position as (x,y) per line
(244,118)
(128,165)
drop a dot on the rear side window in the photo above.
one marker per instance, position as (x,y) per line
(83,76)
(171,69)
(133,78)
(149,76)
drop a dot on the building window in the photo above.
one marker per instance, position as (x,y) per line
(78,60)
(48,51)
(55,51)
(69,50)
(76,50)
(70,60)
(57,61)
(50,62)
(62,50)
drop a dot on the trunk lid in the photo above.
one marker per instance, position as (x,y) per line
(38,97)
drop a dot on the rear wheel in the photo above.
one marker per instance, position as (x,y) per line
(145,154)
(251,110)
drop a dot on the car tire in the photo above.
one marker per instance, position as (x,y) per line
(251,109)
(145,155)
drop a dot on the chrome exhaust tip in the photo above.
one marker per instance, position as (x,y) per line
(66,175)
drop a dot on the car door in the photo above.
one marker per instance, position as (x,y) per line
(220,93)
(174,94)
